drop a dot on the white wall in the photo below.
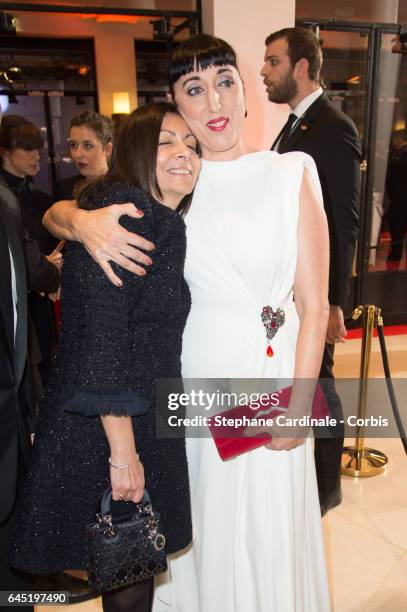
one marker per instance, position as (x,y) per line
(245,26)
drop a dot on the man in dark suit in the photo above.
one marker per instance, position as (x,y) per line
(21,267)
(291,73)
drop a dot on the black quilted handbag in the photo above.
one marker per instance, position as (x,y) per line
(123,550)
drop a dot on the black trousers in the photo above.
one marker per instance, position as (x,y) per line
(135,598)
(9,579)
(328,450)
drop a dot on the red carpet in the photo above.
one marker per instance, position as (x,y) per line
(389,330)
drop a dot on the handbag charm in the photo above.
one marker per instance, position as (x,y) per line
(272,321)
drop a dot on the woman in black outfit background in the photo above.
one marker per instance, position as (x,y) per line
(21,143)
(115,343)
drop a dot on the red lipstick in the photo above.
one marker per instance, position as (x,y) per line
(218,124)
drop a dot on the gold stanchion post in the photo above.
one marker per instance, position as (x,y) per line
(358,460)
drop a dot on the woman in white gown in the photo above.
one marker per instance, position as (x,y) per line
(256,518)
(256,236)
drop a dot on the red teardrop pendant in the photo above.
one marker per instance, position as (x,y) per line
(270,351)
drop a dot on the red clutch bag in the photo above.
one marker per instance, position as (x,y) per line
(230,440)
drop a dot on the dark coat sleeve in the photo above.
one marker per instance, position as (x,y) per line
(65,187)
(106,383)
(340,180)
(41,274)
(41,202)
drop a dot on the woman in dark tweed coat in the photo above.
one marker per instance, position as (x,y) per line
(97,423)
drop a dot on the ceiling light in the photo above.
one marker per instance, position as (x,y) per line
(355,80)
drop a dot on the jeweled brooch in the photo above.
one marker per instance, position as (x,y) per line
(272,321)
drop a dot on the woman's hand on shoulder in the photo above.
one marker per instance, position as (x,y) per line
(106,240)
(127,483)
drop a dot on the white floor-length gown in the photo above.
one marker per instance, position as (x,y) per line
(258,543)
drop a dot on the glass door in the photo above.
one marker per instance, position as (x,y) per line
(345,72)
(346,76)
(384,271)
(383,268)
(366,77)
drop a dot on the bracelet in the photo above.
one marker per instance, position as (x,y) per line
(122,467)
(118,467)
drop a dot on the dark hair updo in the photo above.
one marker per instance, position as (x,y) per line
(199,53)
(100,124)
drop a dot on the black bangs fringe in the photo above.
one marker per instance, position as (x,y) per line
(201,51)
(27,136)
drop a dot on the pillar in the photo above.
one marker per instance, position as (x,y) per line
(245,26)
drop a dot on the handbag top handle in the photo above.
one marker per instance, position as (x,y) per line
(105,502)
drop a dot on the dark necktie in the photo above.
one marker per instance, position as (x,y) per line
(287,130)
